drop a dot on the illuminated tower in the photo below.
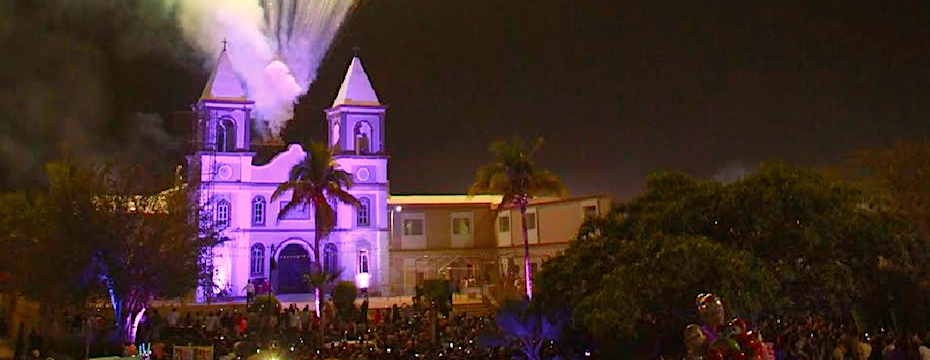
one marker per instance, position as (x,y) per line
(356,136)
(221,159)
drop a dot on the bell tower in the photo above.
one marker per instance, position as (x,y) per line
(356,119)
(224,111)
(222,128)
(356,137)
(220,161)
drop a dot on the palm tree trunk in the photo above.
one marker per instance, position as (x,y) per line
(317,235)
(527,267)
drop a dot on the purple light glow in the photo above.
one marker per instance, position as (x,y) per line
(135,325)
(362,280)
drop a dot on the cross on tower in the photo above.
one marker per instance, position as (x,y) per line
(225,42)
(355,50)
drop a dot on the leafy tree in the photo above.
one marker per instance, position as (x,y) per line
(344,295)
(43,237)
(317,183)
(148,248)
(785,237)
(513,175)
(85,236)
(438,292)
(898,179)
(519,325)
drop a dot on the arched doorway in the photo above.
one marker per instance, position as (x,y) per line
(293,262)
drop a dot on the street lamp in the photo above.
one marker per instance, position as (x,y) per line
(396,208)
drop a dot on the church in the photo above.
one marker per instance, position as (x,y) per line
(457,237)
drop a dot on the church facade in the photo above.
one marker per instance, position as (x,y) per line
(264,246)
(389,244)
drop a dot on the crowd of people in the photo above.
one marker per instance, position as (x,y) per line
(812,338)
(401,332)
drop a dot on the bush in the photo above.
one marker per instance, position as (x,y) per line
(344,295)
(265,304)
(438,291)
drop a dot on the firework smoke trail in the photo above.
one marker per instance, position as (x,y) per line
(276,46)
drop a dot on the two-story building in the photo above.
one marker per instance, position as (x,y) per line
(389,243)
(467,240)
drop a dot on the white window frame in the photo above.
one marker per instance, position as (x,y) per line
(422,227)
(259,210)
(257,260)
(503,219)
(363,213)
(330,257)
(223,210)
(534,223)
(364,267)
(466,217)
(462,240)
(588,204)
(412,241)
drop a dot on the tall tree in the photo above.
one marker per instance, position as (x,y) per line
(84,237)
(513,175)
(897,178)
(149,248)
(44,233)
(784,241)
(317,183)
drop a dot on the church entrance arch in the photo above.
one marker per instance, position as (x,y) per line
(294,260)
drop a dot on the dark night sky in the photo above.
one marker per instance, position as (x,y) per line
(623,88)
(620,89)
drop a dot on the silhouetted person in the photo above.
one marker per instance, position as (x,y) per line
(363,312)
(20,348)
(35,341)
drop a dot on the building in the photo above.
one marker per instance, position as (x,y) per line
(389,243)
(467,240)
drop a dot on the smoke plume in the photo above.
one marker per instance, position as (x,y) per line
(275,46)
(96,79)
(734,171)
(74,78)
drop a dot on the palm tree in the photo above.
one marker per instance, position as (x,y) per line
(513,175)
(317,182)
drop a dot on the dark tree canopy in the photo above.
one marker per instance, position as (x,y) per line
(87,237)
(784,240)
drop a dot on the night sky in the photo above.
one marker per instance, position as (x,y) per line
(618,89)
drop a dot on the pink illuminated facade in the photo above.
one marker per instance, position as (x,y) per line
(389,245)
(262,246)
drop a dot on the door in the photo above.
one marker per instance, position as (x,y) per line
(293,263)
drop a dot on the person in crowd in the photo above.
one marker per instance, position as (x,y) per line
(173,318)
(249,292)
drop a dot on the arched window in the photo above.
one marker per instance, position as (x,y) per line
(225,135)
(362,138)
(330,258)
(363,213)
(222,213)
(257,260)
(258,211)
